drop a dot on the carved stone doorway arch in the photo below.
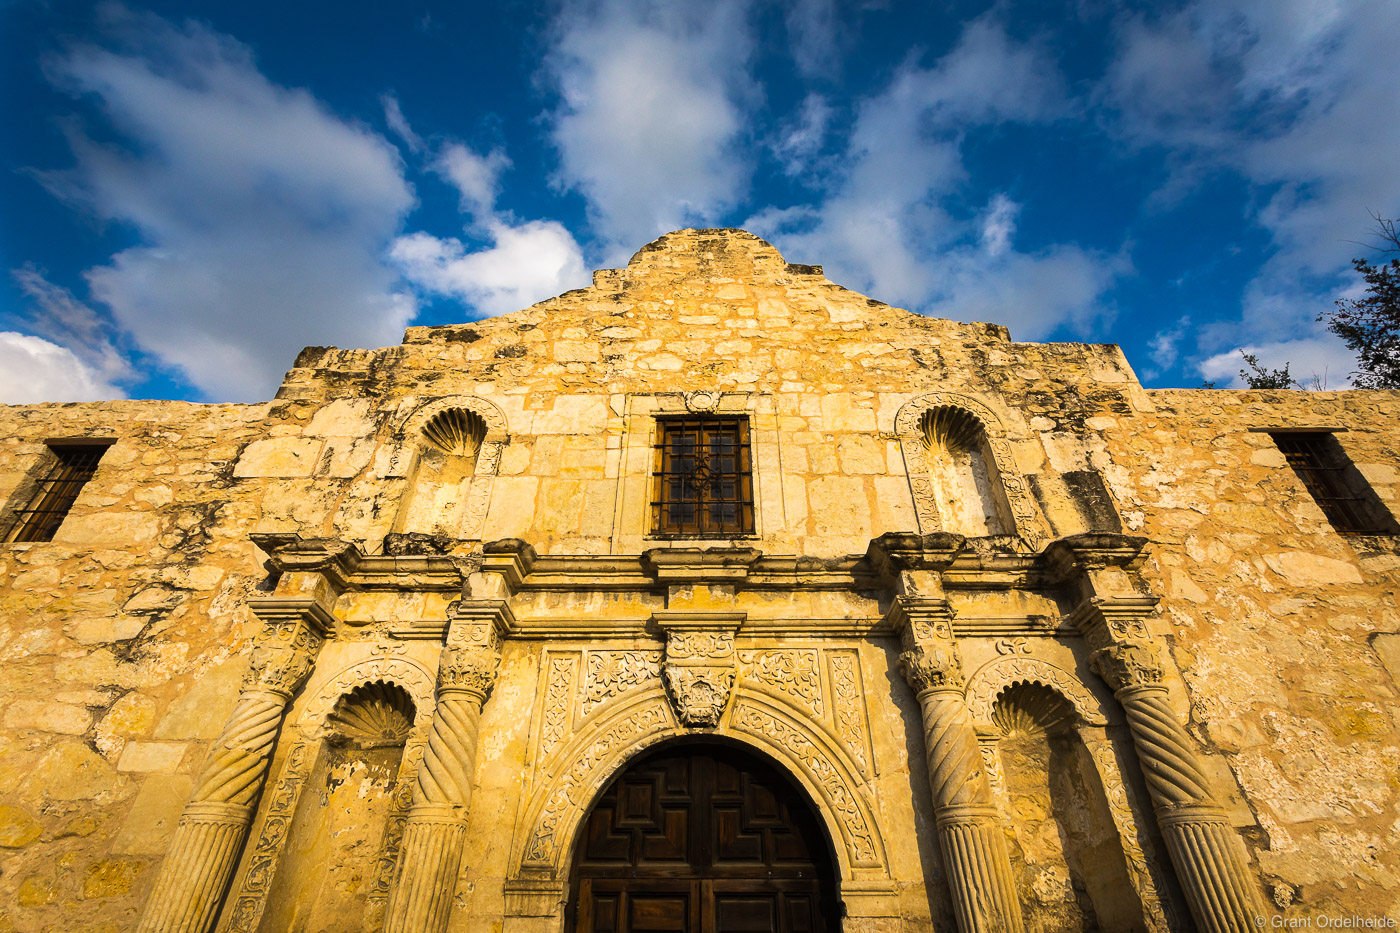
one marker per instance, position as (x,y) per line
(701,836)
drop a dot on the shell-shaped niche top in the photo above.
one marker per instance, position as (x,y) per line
(950,428)
(1031,708)
(372,716)
(456,431)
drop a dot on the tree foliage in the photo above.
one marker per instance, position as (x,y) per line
(1257,377)
(1370,325)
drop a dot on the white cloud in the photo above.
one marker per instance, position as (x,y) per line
(885,226)
(477,178)
(812,30)
(263,217)
(652,119)
(523,263)
(1165,346)
(1298,97)
(1317,362)
(398,123)
(526,263)
(999,225)
(60,316)
(800,140)
(36,370)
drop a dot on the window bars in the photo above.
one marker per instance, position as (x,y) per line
(73,466)
(1325,473)
(703,480)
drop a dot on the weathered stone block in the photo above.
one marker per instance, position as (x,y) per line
(288,457)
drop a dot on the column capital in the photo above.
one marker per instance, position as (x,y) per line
(467,669)
(1105,621)
(278,669)
(933,665)
(920,618)
(1130,665)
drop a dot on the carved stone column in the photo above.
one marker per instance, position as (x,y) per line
(1112,613)
(969,829)
(431,859)
(1205,849)
(196,872)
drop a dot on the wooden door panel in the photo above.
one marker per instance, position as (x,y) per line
(702,840)
(746,913)
(659,913)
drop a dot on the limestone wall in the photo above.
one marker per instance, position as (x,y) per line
(124,640)
(122,644)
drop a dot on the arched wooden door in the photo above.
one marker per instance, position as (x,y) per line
(702,839)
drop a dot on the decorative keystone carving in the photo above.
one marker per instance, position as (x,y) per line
(1131,664)
(700,693)
(700,666)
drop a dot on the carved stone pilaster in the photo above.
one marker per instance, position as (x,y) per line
(700,664)
(1100,572)
(421,898)
(969,833)
(209,837)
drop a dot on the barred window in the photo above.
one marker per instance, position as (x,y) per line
(73,465)
(703,482)
(1343,494)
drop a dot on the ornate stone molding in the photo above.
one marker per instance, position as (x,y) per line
(415,680)
(992,678)
(822,764)
(848,707)
(792,672)
(612,673)
(587,760)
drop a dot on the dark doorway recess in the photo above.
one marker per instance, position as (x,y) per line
(702,838)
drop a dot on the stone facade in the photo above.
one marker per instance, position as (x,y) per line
(1046,650)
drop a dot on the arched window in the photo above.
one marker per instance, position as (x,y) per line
(440,483)
(966,487)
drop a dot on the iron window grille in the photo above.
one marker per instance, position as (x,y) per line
(1349,504)
(72,467)
(703,480)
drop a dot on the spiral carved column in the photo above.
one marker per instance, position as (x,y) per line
(969,832)
(1206,851)
(421,899)
(195,874)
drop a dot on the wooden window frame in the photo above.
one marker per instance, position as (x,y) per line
(74,464)
(707,494)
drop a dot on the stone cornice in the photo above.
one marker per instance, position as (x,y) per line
(1068,557)
(672,566)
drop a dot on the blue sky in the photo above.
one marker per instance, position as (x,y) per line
(194,191)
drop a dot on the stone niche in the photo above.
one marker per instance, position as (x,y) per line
(334,844)
(1070,869)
